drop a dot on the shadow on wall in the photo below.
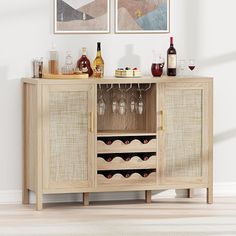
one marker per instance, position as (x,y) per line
(221,137)
(3,72)
(130,59)
(193,23)
(219,60)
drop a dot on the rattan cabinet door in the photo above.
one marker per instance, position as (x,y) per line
(68,137)
(183,137)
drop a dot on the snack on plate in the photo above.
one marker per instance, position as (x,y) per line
(127,73)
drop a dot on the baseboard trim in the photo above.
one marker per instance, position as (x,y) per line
(15,196)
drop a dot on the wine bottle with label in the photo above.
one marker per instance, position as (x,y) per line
(171,59)
(83,63)
(107,174)
(126,158)
(98,64)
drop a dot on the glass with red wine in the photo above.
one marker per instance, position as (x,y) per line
(191,64)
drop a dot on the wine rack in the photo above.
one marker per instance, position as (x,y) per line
(127,160)
(134,145)
(121,162)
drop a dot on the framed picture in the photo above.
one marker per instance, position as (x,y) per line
(142,16)
(81,16)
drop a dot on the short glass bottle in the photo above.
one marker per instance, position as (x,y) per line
(83,64)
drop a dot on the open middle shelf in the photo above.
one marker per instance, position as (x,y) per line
(126,144)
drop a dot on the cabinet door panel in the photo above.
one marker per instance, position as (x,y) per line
(183,141)
(69,144)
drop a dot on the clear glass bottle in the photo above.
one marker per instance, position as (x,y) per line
(68,68)
(98,63)
(53,62)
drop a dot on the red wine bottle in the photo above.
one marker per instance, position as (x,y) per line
(106,174)
(109,142)
(171,59)
(145,158)
(109,159)
(127,174)
(126,140)
(145,141)
(144,173)
(127,158)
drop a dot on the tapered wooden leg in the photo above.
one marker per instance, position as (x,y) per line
(25,196)
(148,196)
(210,195)
(86,199)
(190,193)
(39,202)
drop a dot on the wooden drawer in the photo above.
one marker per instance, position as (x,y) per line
(134,147)
(120,180)
(119,164)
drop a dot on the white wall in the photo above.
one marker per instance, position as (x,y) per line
(203,29)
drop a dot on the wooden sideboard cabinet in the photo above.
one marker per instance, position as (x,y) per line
(70,148)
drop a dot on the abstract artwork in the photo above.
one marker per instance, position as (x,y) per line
(142,16)
(81,16)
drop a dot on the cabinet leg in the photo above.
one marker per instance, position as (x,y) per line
(190,193)
(210,195)
(148,196)
(86,199)
(39,202)
(25,196)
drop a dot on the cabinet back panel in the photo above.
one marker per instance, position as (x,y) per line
(130,121)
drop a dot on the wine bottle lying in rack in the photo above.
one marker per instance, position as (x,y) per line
(127,156)
(126,173)
(127,140)
(145,158)
(111,157)
(107,174)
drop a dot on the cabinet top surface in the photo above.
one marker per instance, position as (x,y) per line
(113,80)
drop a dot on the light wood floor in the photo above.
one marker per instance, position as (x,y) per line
(163,217)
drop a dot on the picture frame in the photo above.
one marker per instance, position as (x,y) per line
(81,16)
(142,16)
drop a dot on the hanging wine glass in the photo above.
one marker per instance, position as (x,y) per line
(101,105)
(122,104)
(133,103)
(114,102)
(140,105)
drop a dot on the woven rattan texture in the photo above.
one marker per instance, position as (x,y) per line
(183,123)
(68,136)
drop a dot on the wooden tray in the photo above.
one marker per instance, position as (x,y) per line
(120,180)
(60,76)
(134,147)
(118,76)
(119,164)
